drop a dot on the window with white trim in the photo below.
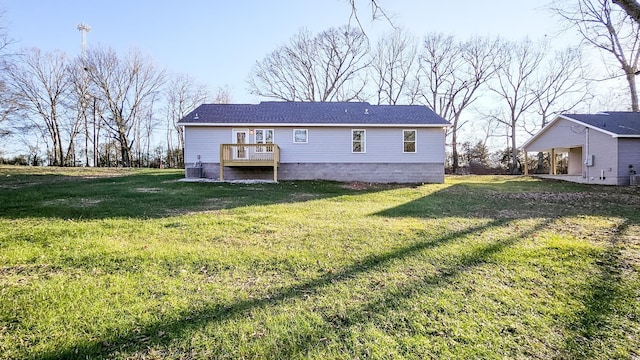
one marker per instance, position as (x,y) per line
(264,136)
(300,136)
(409,141)
(358,141)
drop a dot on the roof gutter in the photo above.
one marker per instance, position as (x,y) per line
(310,125)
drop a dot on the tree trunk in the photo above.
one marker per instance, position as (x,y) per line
(454,145)
(631,7)
(514,152)
(631,79)
(454,152)
(540,163)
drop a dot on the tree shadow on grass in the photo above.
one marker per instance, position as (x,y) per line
(451,202)
(520,199)
(150,195)
(217,312)
(599,323)
(607,309)
(443,276)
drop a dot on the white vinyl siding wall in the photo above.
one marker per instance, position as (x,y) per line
(563,134)
(204,141)
(383,145)
(604,148)
(325,145)
(629,154)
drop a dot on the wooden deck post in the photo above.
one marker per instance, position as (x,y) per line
(221,162)
(276,159)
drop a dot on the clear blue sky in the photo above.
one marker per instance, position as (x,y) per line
(218,41)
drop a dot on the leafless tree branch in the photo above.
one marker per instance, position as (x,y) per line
(324,67)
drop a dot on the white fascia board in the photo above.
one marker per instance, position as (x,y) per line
(301,125)
(590,126)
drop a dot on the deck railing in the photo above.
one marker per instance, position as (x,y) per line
(249,155)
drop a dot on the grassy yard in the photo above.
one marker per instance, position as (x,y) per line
(131,264)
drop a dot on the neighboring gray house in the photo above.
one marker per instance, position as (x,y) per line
(601,148)
(344,141)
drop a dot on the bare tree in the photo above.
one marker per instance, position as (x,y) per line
(5,39)
(376,12)
(450,75)
(126,86)
(393,66)
(223,96)
(631,7)
(325,67)
(439,62)
(82,99)
(607,29)
(183,94)
(144,127)
(561,86)
(42,83)
(8,102)
(515,87)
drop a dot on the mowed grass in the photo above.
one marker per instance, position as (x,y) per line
(132,264)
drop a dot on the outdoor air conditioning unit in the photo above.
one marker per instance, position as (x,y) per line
(634,180)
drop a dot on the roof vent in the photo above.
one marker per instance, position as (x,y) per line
(196,117)
(366,111)
(345,111)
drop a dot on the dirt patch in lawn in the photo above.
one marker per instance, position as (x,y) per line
(359,186)
(148,190)
(301,196)
(73,202)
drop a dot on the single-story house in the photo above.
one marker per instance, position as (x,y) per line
(602,148)
(340,141)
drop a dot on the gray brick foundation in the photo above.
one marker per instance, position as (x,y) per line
(364,172)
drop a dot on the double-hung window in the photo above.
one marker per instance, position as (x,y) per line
(264,136)
(409,141)
(300,136)
(358,141)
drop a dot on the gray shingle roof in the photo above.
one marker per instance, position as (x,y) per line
(310,113)
(616,122)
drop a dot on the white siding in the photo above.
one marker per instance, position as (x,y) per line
(604,149)
(325,145)
(333,145)
(204,141)
(563,134)
(629,154)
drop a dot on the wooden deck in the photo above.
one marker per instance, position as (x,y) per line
(249,155)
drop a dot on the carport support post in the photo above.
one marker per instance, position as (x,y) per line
(552,158)
(526,163)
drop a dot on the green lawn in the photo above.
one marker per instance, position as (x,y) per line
(131,264)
